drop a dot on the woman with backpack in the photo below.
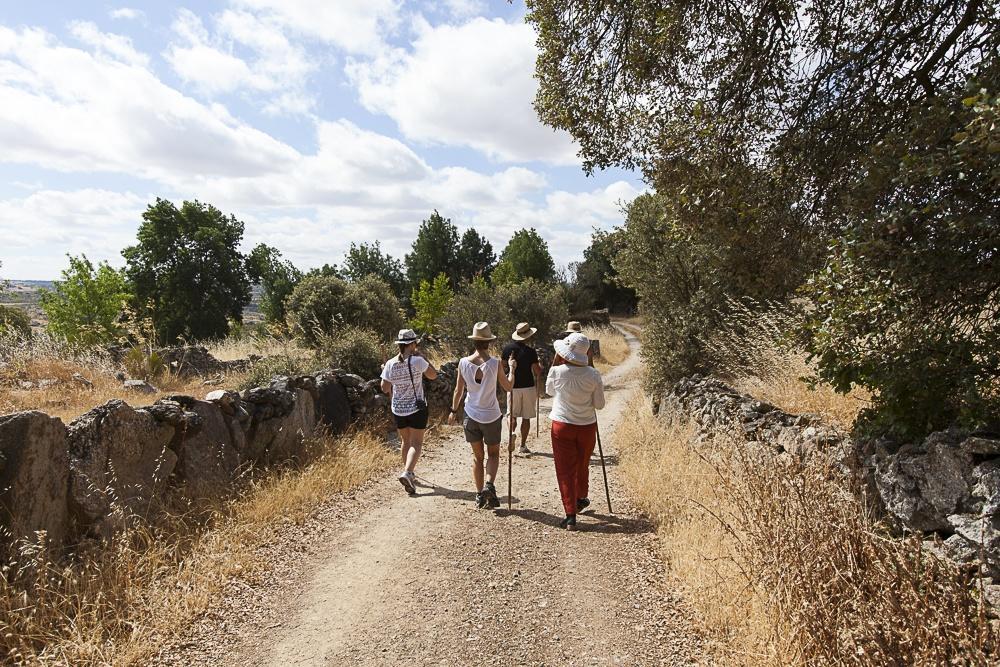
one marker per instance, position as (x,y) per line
(403,380)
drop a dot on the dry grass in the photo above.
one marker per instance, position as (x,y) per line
(753,352)
(119,603)
(614,349)
(783,566)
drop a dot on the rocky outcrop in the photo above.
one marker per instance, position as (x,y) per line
(946,487)
(34,474)
(120,460)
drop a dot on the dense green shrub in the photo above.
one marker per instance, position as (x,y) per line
(14,321)
(319,304)
(430,303)
(261,372)
(354,349)
(908,304)
(543,305)
(383,314)
(86,306)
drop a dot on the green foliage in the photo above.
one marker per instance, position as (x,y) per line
(14,321)
(596,278)
(354,349)
(434,251)
(263,370)
(86,306)
(144,364)
(186,270)
(367,259)
(475,256)
(277,279)
(319,303)
(430,303)
(473,302)
(908,303)
(382,312)
(543,305)
(526,256)
(328,270)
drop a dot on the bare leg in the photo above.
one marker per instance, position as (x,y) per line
(477,465)
(404,444)
(492,461)
(416,445)
(525,430)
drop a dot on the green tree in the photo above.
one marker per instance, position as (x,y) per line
(86,306)
(430,303)
(475,256)
(382,312)
(526,256)
(186,270)
(367,259)
(907,302)
(434,251)
(597,278)
(319,304)
(277,279)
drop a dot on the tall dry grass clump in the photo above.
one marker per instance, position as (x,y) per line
(754,351)
(118,603)
(785,567)
(614,348)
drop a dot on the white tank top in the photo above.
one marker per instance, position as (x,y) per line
(481,404)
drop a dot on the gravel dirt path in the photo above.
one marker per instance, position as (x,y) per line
(380,578)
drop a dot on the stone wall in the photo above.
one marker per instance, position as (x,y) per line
(116,462)
(946,487)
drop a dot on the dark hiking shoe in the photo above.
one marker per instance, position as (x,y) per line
(491,495)
(569,523)
(481,499)
(582,504)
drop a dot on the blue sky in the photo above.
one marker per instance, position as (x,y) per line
(316,122)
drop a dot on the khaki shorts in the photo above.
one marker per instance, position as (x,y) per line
(487,433)
(523,403)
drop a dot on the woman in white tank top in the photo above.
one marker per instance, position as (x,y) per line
(478,377)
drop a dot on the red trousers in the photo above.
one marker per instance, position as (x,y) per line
(572,446)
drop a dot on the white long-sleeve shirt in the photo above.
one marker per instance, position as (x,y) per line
(578,393)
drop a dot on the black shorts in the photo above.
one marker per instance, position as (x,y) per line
(417,420)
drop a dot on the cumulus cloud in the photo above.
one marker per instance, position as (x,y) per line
(127,13)
(75,110)
(113,46)
(356,26)
(469,85)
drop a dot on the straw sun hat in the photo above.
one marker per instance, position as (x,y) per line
(523,331)
(574,327)
(407,336)
(481,331)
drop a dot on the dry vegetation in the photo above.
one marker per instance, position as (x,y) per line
(117,604)
(752,352)
(614,349)
(784,567)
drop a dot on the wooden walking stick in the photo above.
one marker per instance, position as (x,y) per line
(510,449)
(604,470)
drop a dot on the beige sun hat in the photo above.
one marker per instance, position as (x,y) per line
(574,327)
(523,331)
(407,336)
(481,331)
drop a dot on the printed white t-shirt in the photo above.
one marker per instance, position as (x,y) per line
(404,401)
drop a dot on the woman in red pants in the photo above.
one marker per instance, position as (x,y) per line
(578,393)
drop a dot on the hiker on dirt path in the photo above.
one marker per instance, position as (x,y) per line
(403,379)
(525,394)
(479,374)
(571,327)
(578,393)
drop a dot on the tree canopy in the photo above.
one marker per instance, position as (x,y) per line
(435,251)
(526,256)
(86,306)
(367,259)
(186,270)
(277,278)
(475,256)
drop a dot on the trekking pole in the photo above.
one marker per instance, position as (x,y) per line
(604,470)
(510,448)
(538,411)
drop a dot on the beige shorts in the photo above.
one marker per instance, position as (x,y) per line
(523,403)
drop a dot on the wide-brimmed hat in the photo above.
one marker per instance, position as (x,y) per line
(407,336)
(574,326)
(481,331)
(573,348)
(523,331)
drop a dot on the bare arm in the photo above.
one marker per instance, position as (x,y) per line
(506,381)
(386,387)
(598,397)
(456,398)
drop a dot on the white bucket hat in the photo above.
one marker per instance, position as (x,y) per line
(523,331)
(481,331)
(573,348)
(407,336)
(574,326)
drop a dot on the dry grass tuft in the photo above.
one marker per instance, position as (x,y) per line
(118,603)
(753,351)
(614,349)
(785,568)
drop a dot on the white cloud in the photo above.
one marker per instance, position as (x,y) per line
(356,26)
(468,85)
(127,13)
(208,61)
(110,45)
(75,110)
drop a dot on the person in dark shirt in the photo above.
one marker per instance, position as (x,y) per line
(524,397)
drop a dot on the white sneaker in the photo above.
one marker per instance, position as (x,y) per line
(406,479)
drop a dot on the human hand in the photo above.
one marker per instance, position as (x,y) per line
(513,363)
(452,420)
